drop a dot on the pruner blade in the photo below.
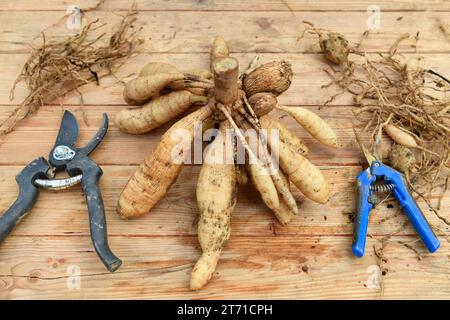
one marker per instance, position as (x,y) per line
(68,131)
(64,149)
(96,139)
(369,156)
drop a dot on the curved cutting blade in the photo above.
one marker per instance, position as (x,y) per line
(96,139)
(68,132)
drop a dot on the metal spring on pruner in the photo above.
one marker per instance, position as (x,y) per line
(383,187)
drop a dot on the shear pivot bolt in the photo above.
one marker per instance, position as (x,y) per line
(63,153)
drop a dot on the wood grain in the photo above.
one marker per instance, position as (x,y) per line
(276,267)
(276,32)
(233,5)
(306,87)
(308,259)
(41,129)
(64,213)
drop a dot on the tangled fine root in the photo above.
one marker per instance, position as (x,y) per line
(392,91)
(55,68)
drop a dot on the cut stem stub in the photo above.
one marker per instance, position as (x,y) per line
(226,73)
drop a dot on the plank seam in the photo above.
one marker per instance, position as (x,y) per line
(235,10)
(412,51)
(258,236)
(165,270)
(329,166)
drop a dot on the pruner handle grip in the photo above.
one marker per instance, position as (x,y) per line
(28,194)
(415,215)
(97,221)
(363,206)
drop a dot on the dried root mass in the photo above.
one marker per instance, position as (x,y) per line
(58,67)
(403,99)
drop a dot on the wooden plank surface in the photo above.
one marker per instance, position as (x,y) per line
(177,213)
(306,87)
(186,32)
(232,5)
(119,148)
(310,258)
(251,267)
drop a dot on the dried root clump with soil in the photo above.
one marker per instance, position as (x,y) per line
(55,68)
(396,95)
(233,103)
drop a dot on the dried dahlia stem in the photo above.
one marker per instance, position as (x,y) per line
(237,130)
(280,185)
(226,72)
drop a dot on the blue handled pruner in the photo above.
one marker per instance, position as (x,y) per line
(392,180)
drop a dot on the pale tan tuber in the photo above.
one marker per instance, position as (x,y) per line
(157,67)
(285,135)
(314,124)
(283,213)
(159,170)
(219,49)
(263,182)
(156,112)
(140,90)
(216,197)
(303,174)
(400,137)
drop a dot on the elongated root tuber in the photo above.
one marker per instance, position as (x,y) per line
(400,136)
(303,174)
(159,170)
(285,135)
(275,175)
(263,182)
(156,112)
(216,197)
(140,90)
(157,67)
(283,213)
(314,124)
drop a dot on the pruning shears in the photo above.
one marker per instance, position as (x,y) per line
(393,181)
(75,161)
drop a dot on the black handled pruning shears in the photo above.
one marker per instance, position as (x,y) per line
(80,168)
